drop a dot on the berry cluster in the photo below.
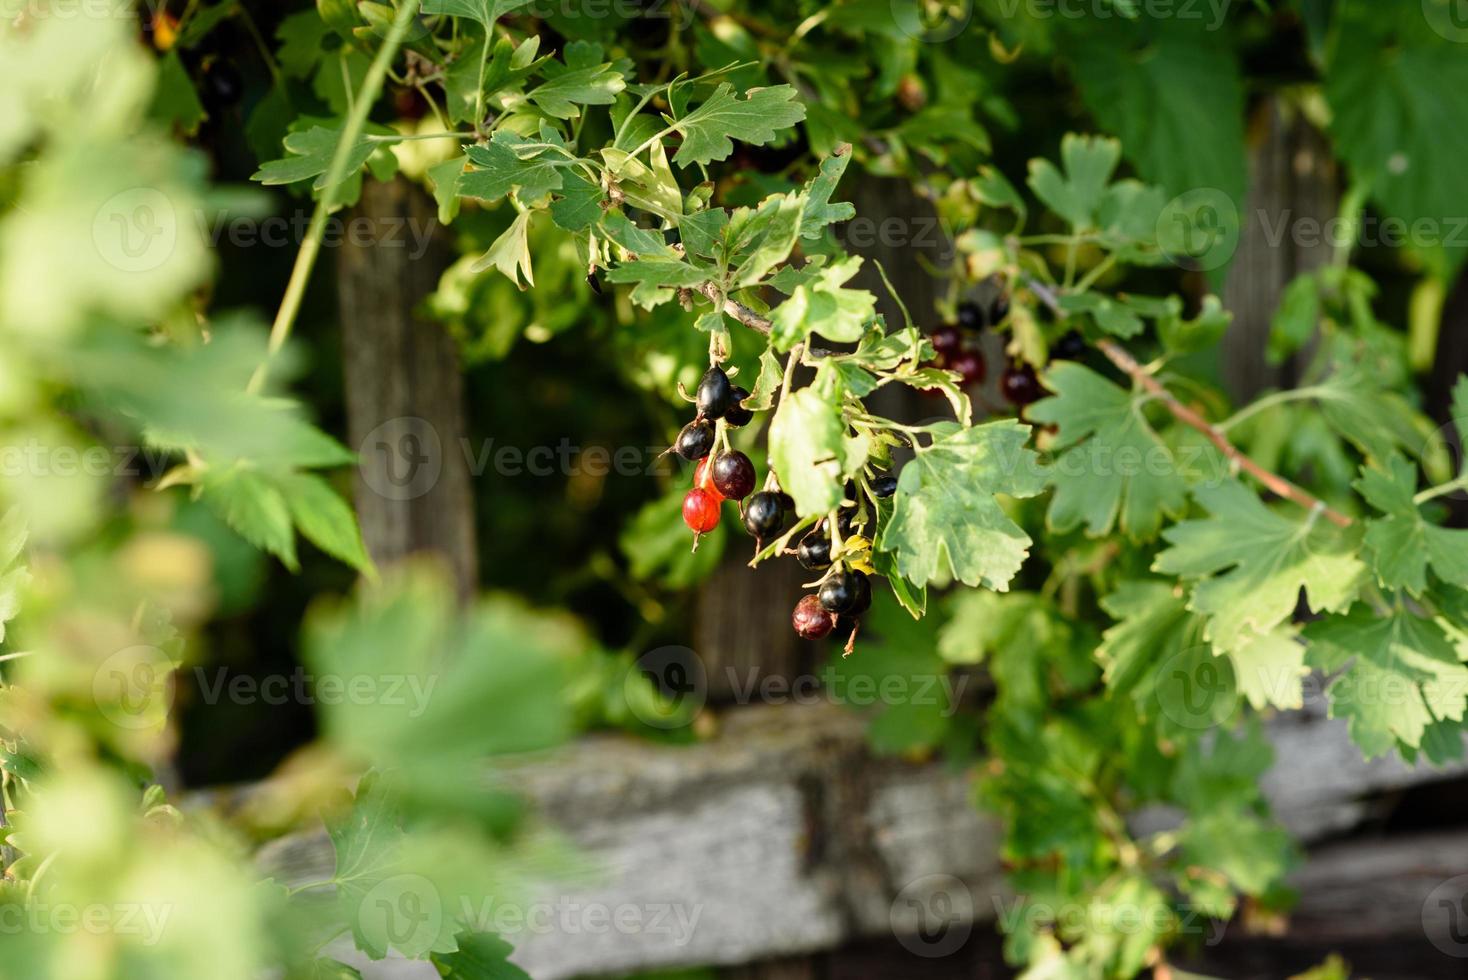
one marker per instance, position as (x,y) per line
(844,591)
(729,475)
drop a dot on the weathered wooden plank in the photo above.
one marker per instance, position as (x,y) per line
(783,835)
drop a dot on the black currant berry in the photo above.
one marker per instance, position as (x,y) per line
(787,502)
(970,316)
(838,593)
(1019,385)
(738,415)
(733,475)
(695,441)
(810,620)
(715,394)
(1071,347)
(884,486)
(763,515)
(946,340)
(863,600)
(814,551)
(844,517)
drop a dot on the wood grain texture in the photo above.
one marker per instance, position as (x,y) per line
(782,836)
(404,388)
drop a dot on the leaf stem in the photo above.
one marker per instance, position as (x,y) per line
(1432,493)
(1269,401)
(1123,360)
(295,289)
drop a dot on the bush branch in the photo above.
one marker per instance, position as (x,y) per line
(1123,360)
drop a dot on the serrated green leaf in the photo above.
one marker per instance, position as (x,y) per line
(1399,673)
(510,253)
(324,518)
(1401,545)
(1250,565)
(175,102)
(1112,466)
(819,211)
(779,239)
(825,307)
(444,178)
(708,130)
(480,956)
(485,12)
(311,151)
(250,504)
(808,449)
(659,547)
(580,83)
(946,522)
(579,203)
(510,161)
(1076,194)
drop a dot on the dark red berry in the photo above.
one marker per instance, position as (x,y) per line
(1071,347)
(814,551)
(884,486)
(787,502)
(715,394)
(810,620)
(946,340)
(594,281)
(763,515)
(969,364)
(970,316)
(700,511)
(695,441)
(1019,385)
(838,592)
(738,415)
(733,475)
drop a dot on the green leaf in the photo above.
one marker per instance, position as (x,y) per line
(1294,321)
(579,204)
(311,151)
(509,162)
(510,252)
(1076,195)
(1251,564)
(249,502)
(708,130)
(1112,466)
(779,238)
(324,518)
(819,211)
(1172,91)
(300,35)
(808,448)
(581,82)
(1398,95)
(824,306)
(174,100)
(1401,545)
(946,522)
(445,178)
(485,12)
(480,956)
(1399,674)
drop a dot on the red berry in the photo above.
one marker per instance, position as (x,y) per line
(702,480)
(970,364)
(701,510)
(810,620)
(733,475)
(1019,385)
(946,340)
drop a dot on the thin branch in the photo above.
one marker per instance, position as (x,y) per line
(1120,357)
(737,310)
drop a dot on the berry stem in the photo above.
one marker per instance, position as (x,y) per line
(295,289)
(1123,360)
